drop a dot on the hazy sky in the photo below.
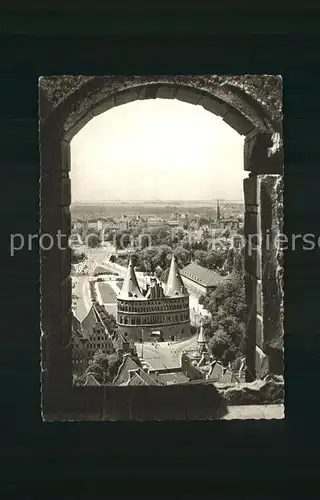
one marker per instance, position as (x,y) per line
(157,149)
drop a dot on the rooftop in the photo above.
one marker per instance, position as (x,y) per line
(201,275)
(123,373)
(89,322)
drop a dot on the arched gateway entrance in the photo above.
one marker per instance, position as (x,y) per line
(249,104)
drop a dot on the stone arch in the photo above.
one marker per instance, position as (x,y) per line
(249,104)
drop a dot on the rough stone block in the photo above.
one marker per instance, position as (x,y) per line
(258,392)
(238,122)
(72,131)
(259,332)
(50,194)
(65,192)
(126,96)
(50,148)
(103,106)
(164,92)
(65,156)
(259,297)
(188,95)
(272,283)
(257,158)
(214,105)
(250,188)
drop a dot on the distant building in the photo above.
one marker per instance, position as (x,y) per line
(158,313)
(78,224)
(80,357)
(173,223)
(88,337)
(200,281)
(94,333)
(231,224)
(130,373)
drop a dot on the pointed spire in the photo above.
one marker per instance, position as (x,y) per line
(175,286)
(130,288)
(218,210)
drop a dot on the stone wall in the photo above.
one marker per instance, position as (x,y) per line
(249,104)
(264,270)
(259,392)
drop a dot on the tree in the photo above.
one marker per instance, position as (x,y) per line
(222,347)
(228,310)
(104,367)
(77,257)
(203,221)
(93,240)
(98,366)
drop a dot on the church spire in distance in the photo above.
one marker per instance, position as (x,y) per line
(218,210)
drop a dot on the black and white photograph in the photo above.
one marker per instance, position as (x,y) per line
(162,247)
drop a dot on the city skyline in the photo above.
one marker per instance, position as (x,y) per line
(175,150)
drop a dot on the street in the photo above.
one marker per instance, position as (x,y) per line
(165,355)
(96,257)
(83,300)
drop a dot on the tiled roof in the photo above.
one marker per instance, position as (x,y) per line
(89,322)
(147,379)
(76,326)
(130,288)
(136,380)
(175,285)
(201,275)
(140,377)
(91,380)
(123,373)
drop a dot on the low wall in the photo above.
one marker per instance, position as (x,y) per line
(189,369)
(258,392)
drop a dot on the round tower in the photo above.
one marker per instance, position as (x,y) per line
(160,313)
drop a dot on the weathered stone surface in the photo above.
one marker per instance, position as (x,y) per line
(103,106)
(257,157)
(125,97)
(68,104)
(162,92)
(255,412)
(265,89)
(65,156)
(252,247)
(271,187)
(238,122)
(250,189)
(76,96)
(259,331)
(259,297)
(214,105)
(258,392)
(75,127)
(65,192)
(189,96)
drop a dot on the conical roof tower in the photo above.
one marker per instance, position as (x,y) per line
(130,288)
(175,286)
